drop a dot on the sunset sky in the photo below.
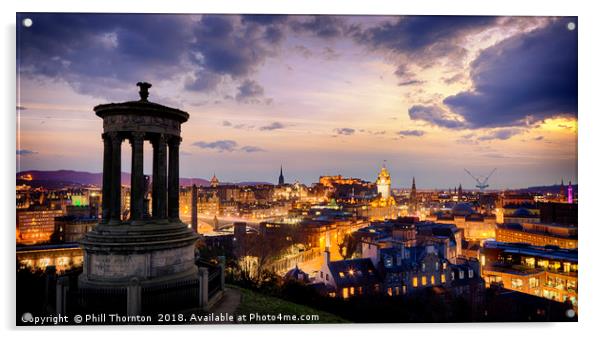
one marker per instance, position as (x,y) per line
(318,94)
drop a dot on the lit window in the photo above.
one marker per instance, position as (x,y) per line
(437,266)
(404,289)
(443,278)
(423,267)
(389,291)
(345,293)
(470,274)
(415,281)
(461,275)
(423,280)
(341,274)
(352,291)
(432,280)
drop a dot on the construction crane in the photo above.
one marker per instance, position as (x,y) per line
(481,182)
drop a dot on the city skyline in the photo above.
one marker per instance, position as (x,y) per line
(321,95)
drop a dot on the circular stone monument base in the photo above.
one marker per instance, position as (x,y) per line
(152,253)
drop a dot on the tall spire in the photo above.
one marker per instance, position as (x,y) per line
(281,177)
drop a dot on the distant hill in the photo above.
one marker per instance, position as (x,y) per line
(546,189)
(61,178)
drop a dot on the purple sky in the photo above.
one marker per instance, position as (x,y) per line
(318,94)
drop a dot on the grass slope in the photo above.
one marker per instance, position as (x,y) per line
(278,310)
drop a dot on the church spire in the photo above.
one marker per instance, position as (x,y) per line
(281,177)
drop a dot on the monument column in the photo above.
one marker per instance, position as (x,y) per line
(160,178)
(115,177)
(174,179)
(106,179)
(137,178)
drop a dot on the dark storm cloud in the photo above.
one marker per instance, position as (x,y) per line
(434,115)
(414,34)
(93,52)
(85,49)
(272,126)
(411,133)
(344,131)
(524,79)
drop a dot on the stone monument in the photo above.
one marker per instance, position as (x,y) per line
(153,251)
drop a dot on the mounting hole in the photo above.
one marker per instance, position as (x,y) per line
(27,22)
(571,26)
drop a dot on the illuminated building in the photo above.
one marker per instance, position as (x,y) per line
(62,256)
(72,229)
(36,226)
(570,193)
(332,180)
(384,206)
(538,234)
(214,182)
(541,271)
(476,226)
(347,278)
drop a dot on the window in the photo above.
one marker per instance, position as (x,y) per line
(423,280)
(444,265)
(396,290)
(437,266)
(567,267)
(327,277)
(389,291)
(341,274)
(345,293)
(453,275)
(432,280)
(360,290)
(404,289)
(352,290)
(530,262)
(533,282)
(376,288)
(423,267)
(321,274)
(443,278)
(517,283)
(415,281)
(461,274)
(470,274)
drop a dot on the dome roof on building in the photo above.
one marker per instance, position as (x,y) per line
(462,209)
(522,212)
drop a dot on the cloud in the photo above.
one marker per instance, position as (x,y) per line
(219,145)
(538,138)
(421,34)
(344,131)
(322,26)
(272,126)
(227,146)
(25,152)
(226,123)
(434,115)
(501,134)
(104,54)
(21,108)
(249,92)
(251,149)
(522,80)
(412,133)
